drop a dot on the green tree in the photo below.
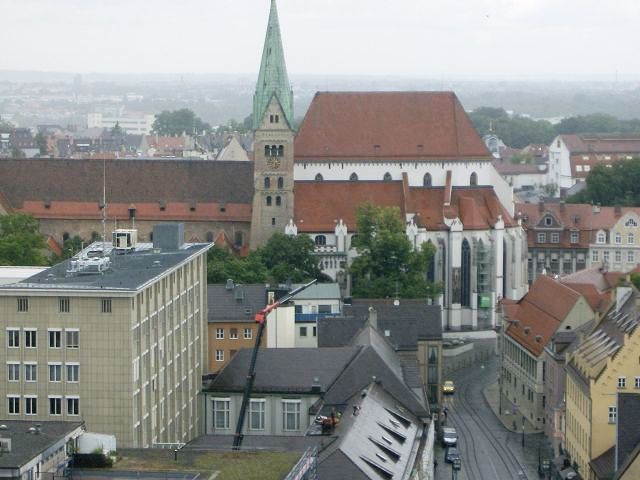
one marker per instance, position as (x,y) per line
(178,122)
(289,257)
(597,123)
(387,264)
(234,126)
(617,185)
(516,131)
(117,131)
(20,241)
(222,265)
(41,142)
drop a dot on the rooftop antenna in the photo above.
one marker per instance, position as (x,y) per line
(104,205)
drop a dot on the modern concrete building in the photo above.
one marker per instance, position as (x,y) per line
(115,336)
(131,124)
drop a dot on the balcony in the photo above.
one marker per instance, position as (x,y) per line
(314,317)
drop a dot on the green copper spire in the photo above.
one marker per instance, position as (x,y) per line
(272,78)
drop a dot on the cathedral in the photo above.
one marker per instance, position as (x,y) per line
(414,150)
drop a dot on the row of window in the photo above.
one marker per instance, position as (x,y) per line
(601,237)
(257,409)
(31,405)
(31,371)
(269,201)
(233,334)
(71,336)
(427,180)
(554,237)
(304,331)
(606,256)
(267,182)
(622,382)
(64,305)
(274,150)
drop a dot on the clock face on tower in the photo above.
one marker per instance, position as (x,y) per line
(273,162)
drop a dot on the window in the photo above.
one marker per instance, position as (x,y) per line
(55,372)
(542,237)
(23,304)
(320,240)
(233,333)
(622,382)
(55,338)
(555,237)
(267,182)
(221,413)
(219,333)
(13,371)
(278,201)
(30,338)
(219,355)
(637,382)
(291,415)
(73,338)
(256,413)
(578,168)
(618,256)
(280,182)
(465,275)
(269,200)
(353,177)
(315,331)
(73,372)
(605,257)
(387,177)
(631,257)
(64,304)
(618,238)
(319,177)
(595,256)
(73,406)
(30,372)
(55,405)
(13,406)
(575,237)
(473,180)
(427,181)
(281,150)
(587,168)
(30,405)
(631,238)
(613,414)
(303,331)
(273,221)
(13,338)
(631,223)
(106,305)
(548,221)
(601,238)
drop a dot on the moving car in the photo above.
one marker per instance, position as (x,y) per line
(452,455)
(448,386)
(449,437)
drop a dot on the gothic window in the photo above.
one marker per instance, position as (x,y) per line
(426,181)
(465,274)
(431,267)
(320,240)
(473,181)
(274,150)
(278,201)
(267,151)
(443,270)
(280,182)
(281,150)
(273,221)
(269,201)
(387,177)
(319,177)
(353,177)
(267,182)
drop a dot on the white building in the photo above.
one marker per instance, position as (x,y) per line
(131,124)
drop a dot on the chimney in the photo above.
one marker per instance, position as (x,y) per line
(562,206)
(373,317)
(541,206)
(617,210)
(595,208)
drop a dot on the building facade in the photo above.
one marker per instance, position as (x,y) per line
(133,125)
(118,341)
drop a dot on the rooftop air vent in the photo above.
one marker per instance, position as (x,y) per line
(526,330)
(229,285)
(538,338)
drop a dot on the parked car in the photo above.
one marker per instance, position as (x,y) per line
(451,455)
(449,437)
(448,386)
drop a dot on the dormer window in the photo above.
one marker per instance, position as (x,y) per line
(631,223)
(387,177)
(601,237)
(274,118)
(548,221)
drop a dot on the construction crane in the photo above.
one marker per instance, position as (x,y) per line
(261,318)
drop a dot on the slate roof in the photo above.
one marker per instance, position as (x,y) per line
(604,465)
(25,446)
(238,304)
(382,126)
(628,427)
(318,291)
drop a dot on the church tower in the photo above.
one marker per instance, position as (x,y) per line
(273,145)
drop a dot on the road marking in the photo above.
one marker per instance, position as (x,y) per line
(217,472)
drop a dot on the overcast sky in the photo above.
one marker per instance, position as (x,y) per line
(441,39)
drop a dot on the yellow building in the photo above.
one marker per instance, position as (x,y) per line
(605,364)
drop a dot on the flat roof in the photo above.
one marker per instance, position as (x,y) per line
(127,272)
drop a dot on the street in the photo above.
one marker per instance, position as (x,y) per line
(487,449)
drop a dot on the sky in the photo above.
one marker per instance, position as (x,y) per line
(438,39)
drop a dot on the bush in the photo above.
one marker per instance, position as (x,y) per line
(91,460)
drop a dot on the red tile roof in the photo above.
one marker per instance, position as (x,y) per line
(387,126)
(540,312)
(602,144)
(320,205)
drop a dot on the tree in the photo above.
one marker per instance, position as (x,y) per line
(178,122)
(73,245)
(222,265)
(610,186)
(20,241)
(41,142)
(289,257)
(117,131)
(516,131)
(387,264)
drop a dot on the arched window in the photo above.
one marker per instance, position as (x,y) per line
(473,181)
(65,236)
(426,181)
(267,182)
(465,275)
(267,151)
(319,177)
(278,201)
(431,267)
(280,182)
(269,201)
(320,240)
(281,150)
(274,150)
(353,177)
(387,177)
